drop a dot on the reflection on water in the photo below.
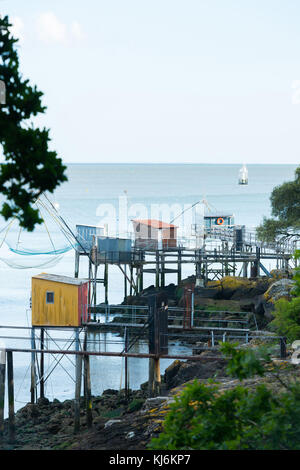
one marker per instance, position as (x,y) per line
(110,373)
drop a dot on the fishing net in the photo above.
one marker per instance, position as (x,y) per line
(44,247)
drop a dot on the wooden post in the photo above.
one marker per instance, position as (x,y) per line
(131,280)
(141,279)
(126,340)
(95,291)
(157,270)
(151,381)
(157,378)
(162,282)
(42,391)
(11,399)
(76,263)
(78,373)
(179,268)
(87,385)
(106,282)
(33,381)
(2,390)
(125,283)
(158,342)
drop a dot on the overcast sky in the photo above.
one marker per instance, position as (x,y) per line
(191,81)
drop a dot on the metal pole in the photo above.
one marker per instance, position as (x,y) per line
(11,408)
(212,338)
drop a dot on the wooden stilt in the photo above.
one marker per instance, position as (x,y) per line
(151,387)
(125,282)
(106,282)
(77,256)
(33,377)
(141,278)
(131,280)
(87,386)
(11,399)
(162,279)
(157,378)
(126,340)
(2,390)
(78,373)
(179,268)
(42,391)
(157,270)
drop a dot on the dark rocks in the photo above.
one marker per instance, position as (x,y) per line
(110,391)
(182,372)
(43,401)
(172,371)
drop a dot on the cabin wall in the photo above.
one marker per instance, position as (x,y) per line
(145,232)
(64,311)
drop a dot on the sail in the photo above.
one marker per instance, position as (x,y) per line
(243,175)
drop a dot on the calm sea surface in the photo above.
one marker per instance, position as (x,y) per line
(82,200)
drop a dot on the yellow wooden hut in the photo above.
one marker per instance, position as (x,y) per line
(59,300)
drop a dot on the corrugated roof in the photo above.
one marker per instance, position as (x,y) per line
(63,279)
(154,223)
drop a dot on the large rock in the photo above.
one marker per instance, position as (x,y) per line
(279,289)
(185,371)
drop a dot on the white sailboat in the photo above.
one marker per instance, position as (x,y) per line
(243,175)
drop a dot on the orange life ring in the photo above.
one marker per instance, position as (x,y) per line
(220,221)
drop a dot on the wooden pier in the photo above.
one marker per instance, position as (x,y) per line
(223,253)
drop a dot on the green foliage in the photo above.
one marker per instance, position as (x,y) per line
(285,203)
(30,168)
(287,318)
(287,312)
(204,418)
(135,404)
(243,364)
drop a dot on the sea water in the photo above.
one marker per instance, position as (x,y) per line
(82,200)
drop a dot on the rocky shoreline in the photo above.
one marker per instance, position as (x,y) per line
(120,422)
(129,422)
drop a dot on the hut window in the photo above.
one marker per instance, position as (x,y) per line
(49,297)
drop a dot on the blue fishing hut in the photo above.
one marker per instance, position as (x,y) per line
(220,219)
